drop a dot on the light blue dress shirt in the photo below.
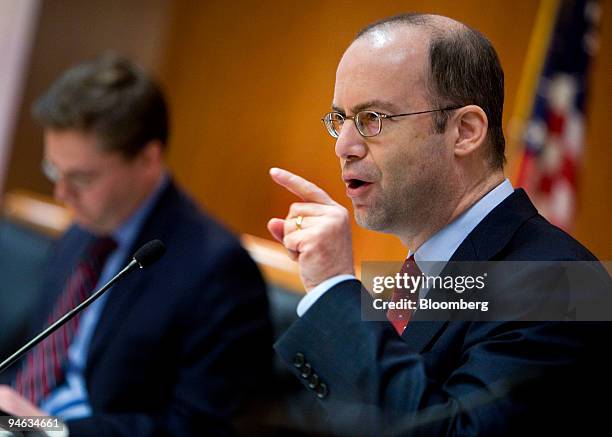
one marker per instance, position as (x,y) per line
(440,247)
(70,400)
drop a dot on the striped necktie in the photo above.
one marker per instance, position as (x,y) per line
(399,318)
(42,369)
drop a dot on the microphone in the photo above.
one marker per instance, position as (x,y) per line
(144,257)
(149,253)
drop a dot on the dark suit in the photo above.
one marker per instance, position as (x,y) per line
(168,354)
(457,377)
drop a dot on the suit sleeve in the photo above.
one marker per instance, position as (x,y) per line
(370,381)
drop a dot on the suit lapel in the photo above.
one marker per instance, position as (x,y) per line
(485,241)
(420,334)
(123,296)
(117,307)
(66,256)
(496,230)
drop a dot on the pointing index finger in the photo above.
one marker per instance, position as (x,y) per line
(299,186)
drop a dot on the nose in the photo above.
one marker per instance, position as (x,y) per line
(61,191)
(350,144)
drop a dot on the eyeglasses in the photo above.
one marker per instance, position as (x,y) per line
(78,181)
(368,123)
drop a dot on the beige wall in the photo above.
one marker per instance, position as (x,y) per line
(249,80)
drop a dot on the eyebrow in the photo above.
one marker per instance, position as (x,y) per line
(368,105)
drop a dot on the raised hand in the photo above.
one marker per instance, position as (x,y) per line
(316,231)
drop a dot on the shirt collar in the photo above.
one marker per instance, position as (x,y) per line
(441,246)
(126,233)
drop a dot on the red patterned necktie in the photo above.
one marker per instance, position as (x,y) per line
(42,369)
(399,318)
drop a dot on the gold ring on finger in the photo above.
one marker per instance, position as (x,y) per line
(298,222)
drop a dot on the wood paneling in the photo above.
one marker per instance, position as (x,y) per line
(248,87)
(249,80)
(593,223)
(69,32)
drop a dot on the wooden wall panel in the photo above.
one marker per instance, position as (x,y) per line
(249,87)
(249,80)
(593,223)
(69,32)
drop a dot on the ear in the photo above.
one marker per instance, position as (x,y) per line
(471,126)
(152,153)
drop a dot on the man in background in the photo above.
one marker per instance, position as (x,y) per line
(417,117)
(163,352)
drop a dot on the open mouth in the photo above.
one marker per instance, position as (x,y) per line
(356,183)
(356,187)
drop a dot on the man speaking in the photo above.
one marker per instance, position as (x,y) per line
(417,117)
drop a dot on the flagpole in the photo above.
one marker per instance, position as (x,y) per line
(528,83)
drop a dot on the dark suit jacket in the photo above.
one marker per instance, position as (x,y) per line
(455,377)
(168,354)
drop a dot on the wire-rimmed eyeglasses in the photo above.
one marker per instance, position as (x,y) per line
(368,123)
(78,180)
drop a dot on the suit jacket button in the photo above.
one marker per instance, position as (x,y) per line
(299,360)
(306,370)
(313,381)
(321,390)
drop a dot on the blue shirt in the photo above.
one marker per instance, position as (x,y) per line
(70,400)
(440,247)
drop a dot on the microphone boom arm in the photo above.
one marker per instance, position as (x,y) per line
(66,317)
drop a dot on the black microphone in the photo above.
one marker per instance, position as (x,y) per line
(149,253)
(144,257)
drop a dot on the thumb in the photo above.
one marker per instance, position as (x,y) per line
(276,227)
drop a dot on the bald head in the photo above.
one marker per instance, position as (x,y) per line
(459,67)
(426,22)
(376,61)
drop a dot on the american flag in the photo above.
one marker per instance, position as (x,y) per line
(555,132)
